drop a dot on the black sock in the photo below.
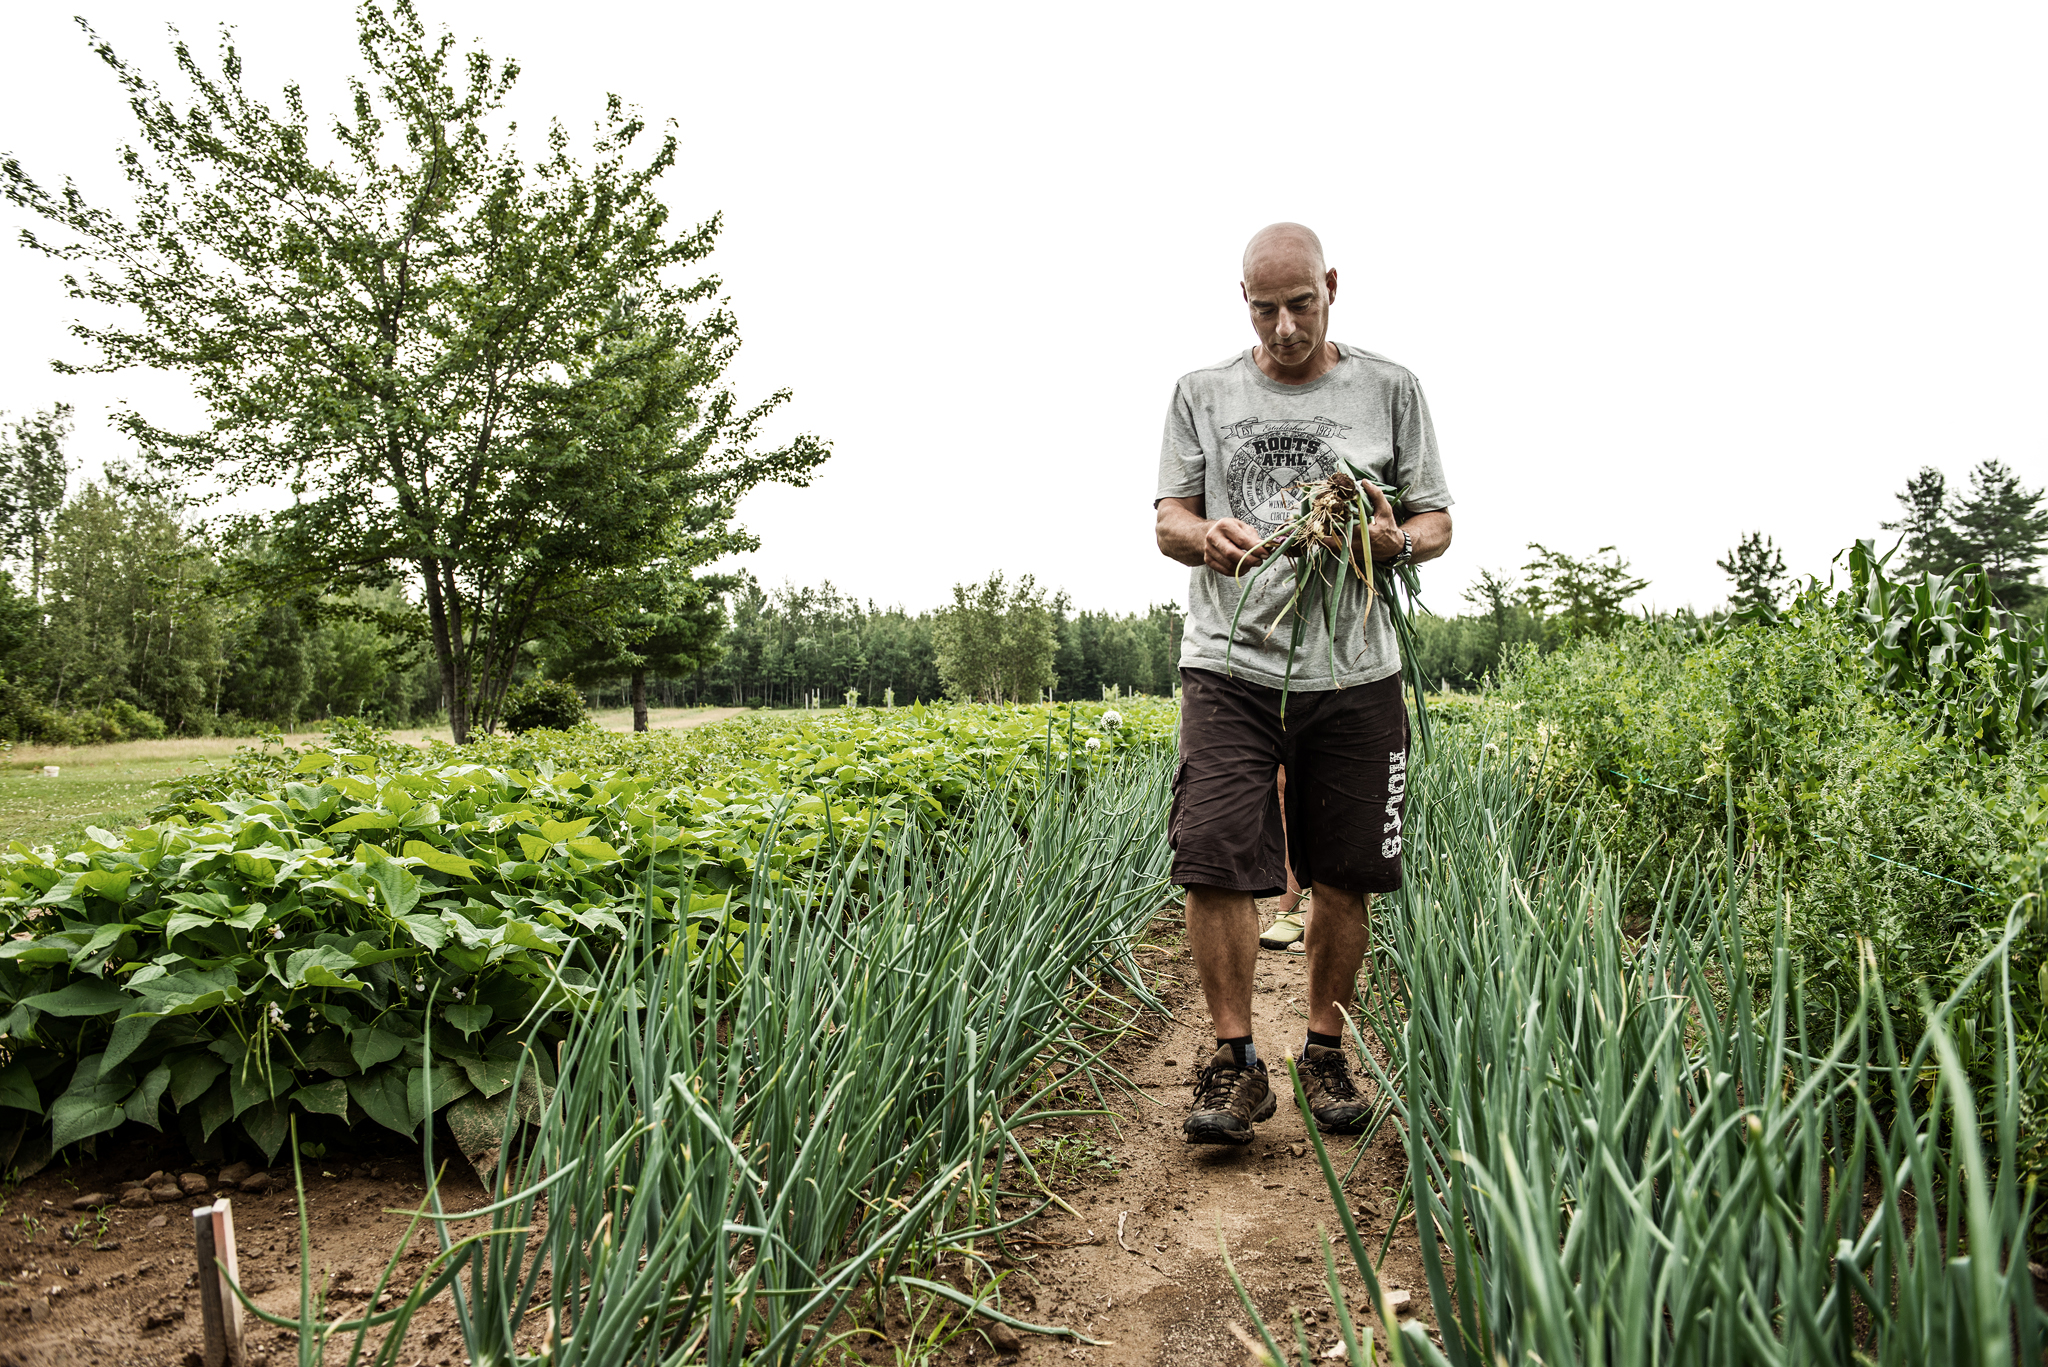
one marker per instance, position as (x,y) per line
(1327,1041)
(1241,1050)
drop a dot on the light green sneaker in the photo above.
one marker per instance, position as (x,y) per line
(1285,932)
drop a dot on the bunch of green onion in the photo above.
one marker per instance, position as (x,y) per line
(1653,1145)
(1321,542)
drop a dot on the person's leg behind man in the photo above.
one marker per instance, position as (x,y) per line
(1290,928)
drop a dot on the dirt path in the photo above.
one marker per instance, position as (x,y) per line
(1166,1298)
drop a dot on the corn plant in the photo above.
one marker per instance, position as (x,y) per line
(1647,1146)
(730,1184)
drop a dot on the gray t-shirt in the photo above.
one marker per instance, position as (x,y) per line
(1239,441)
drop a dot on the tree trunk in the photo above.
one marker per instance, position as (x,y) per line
(446,643)
(640,699)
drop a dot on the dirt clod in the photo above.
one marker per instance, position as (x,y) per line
(135,1198)
(192,1184)
(87,1202)
(255,1184)
(233,1173)
(167,1192)
(1005,1340)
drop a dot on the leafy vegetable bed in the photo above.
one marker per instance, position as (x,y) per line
(280,937)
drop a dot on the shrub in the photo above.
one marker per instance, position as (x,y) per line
(542,705)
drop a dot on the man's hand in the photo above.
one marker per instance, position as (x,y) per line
(1233,547)
(1383,533)
(1226,545)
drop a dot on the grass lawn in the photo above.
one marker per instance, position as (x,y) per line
(112,786)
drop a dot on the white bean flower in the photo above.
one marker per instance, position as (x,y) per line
(277,1018)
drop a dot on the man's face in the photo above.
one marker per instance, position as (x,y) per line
(1290,303)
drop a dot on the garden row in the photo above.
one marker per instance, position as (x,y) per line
(282,936)
(1874,753)
(1635,1136)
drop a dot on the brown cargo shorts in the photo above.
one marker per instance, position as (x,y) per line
(1346,752)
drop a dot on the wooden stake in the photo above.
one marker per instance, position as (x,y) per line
(213,1350)
(224,1249)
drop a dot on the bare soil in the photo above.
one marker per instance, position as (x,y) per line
(1140,1268)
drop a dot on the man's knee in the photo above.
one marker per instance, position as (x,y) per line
(1208,901)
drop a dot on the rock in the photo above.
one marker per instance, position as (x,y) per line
(159,1222)
(135,1198)
(167,1192)
(1401,1302)
(255,1184)
(376,1171)
(154,1178)
(194,1358)
(97,1198)
(1301,1257)
(1005,1340)
(193,1184)
(109,1246)
(233,1173)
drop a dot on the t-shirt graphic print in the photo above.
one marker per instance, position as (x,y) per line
(1269,462)
(1244,445)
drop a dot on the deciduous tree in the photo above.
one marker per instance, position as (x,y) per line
(472,375)
(1582,596)
(34,474)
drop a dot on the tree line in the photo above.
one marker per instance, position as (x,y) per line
(485,399)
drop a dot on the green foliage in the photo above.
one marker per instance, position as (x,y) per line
(1756,568)
(280,938)
(997,641)
(471,371)
(1978,673)
(1868,745)
(718,1185)
(1465,651)
(33,475)
(1130,653)
(1998,526)
(1626,1143)
(543,705)
(1582,597)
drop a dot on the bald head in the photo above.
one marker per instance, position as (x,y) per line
(1289,290)
(1290,247)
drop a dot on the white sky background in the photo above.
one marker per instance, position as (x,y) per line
(1666,274)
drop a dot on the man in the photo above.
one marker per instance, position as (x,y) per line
(1241,436)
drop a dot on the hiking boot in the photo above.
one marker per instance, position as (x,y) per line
(1333,1097)
(1229,1100)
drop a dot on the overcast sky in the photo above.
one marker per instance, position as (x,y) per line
(1667,274)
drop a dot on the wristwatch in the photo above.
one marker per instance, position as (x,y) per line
(1407,549)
